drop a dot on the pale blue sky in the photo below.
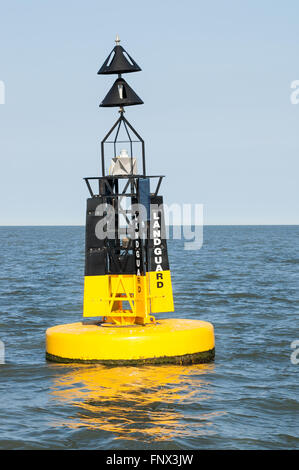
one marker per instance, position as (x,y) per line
(217,118)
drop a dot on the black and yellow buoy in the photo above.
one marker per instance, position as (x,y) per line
(127,276)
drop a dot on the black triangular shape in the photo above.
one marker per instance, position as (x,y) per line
(120,94)
(118,61)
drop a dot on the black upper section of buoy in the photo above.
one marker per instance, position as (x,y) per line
(120,94)
(119,61)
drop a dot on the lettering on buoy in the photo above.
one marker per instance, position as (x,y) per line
(157,242)
(137,249)
(157,250)
(159,283)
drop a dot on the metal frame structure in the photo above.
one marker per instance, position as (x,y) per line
(126,124)
(120,267)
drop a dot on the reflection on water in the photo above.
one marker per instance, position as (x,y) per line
(150,402)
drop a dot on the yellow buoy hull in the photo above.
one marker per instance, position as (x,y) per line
(167,341)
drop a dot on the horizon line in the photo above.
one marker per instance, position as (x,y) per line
(167,225)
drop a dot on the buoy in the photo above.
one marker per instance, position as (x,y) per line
(127,275)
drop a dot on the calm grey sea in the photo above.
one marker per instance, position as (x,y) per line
(244,280)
